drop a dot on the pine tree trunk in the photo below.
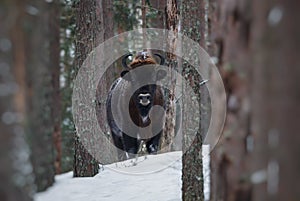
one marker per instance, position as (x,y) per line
(16,184)
(31,61)
(92,29)
(39,123)
(230,36)
(169,127)
(276,109)
(54,25)
(105,84)
(193,25)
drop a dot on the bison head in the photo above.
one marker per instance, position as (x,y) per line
(146,95)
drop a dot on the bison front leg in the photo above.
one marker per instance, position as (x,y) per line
(153,144)
(119,144)
(131,145)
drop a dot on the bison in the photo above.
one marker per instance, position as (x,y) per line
(139,105)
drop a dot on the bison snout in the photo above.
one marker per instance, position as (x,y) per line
(144,99)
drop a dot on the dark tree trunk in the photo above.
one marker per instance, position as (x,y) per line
(276,110)
(31,59)
(16,184)
(39,123)
(230,37)
(54,25)
(92,29)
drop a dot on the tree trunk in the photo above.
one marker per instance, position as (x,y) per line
(16,170)
(169,127)
(276,111)
(39,123)
(160,20)
(91,31)
(31,61)
(105,84)
(55,72)
(230,35)
(193,25)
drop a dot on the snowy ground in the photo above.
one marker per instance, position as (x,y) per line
(151,178)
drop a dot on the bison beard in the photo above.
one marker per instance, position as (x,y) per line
(140,104)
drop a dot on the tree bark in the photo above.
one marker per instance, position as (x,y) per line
(54,25)
(16,170)
(169,127)
(193,25)
(230,36)
(92,29)
(31,69)
(39,123)
(276,111)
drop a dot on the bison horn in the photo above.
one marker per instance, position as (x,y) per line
(162,59)
(124,63)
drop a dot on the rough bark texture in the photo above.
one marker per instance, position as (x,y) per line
(169,127)
(94,25)
(276,111)
(193,25)
(89,34)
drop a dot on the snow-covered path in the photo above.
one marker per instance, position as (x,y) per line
(122,182)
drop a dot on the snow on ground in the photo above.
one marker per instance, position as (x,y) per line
(151,178)
(122,182)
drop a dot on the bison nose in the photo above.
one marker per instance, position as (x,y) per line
(144,99)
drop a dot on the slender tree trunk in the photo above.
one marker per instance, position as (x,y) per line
(55,72)
(193,25)
(160,20)
(169,127)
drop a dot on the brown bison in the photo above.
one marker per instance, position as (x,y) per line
(137,93)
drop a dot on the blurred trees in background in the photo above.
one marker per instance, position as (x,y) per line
(28,76)
(67,75)
(255,44)
(230,38)
(275,96)
(39,90)
(16,173)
